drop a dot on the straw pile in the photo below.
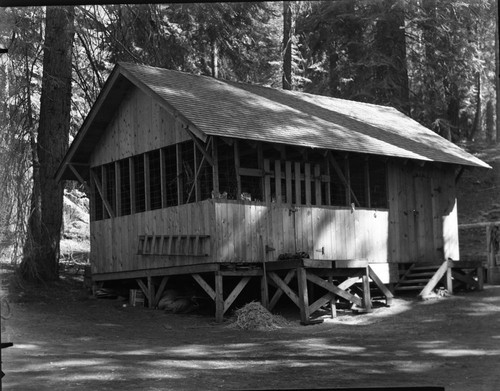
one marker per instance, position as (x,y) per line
(253,316)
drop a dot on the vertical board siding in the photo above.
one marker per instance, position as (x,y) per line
(422,219)
(234,230)
(140,125)
(314,229)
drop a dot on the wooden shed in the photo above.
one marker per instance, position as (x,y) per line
(210,178)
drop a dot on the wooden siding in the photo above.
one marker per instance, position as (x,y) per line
(140,125)
(235,229)
(423,223)
(115,242)
(323,233)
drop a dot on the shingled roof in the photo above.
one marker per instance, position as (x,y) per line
(221,108)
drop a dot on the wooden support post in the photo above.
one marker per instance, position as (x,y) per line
(367,183)
(215,166)
(160,290)
(163,178)
(151,293)
(348,189)
(180,185)
(277,180)
(328,194)
(131,175)
(480,278)
(449,280)
(317,184)
(237,168)
(264,286)
(298,187)
(288,180)
(307,182)
(367,300)
(333,301)
(118,189)
(267,181)
(303,295)
(147,181)
(219,298)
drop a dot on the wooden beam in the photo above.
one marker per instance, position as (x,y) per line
(144,288)
(215,166)
(332,288)
(79,177)
(279,291)
(459,174)
(343,179)
(303,294)
(147,183)
(284,287)
(298,188)
(219,298)
(202,149)
(163,178)
(204,285)
(235,293)
(180,198)
(288,180)
(328,194)
(196,185)
(321,302)
(443,269)
(237,168)
(151,290)
(256,172)
(277,180)
(118,189)
(160,290)
(307,182)
(133,195)
(104,201)
(317,184)
(385,291)
(367,301)
(267,181)
(367,182)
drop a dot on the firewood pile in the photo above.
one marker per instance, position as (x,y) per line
(253,316)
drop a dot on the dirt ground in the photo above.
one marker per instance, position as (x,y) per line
(66,340)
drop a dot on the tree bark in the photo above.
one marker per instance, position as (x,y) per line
(287,46)
(497,74)
(41,252)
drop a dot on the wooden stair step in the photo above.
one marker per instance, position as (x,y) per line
(409,288)
(430,267)
(422,274)
(415,281)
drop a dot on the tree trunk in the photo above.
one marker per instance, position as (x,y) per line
(490,129)
(287,46)
(477,118)
(497,74)
(41,255)
(215,59)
